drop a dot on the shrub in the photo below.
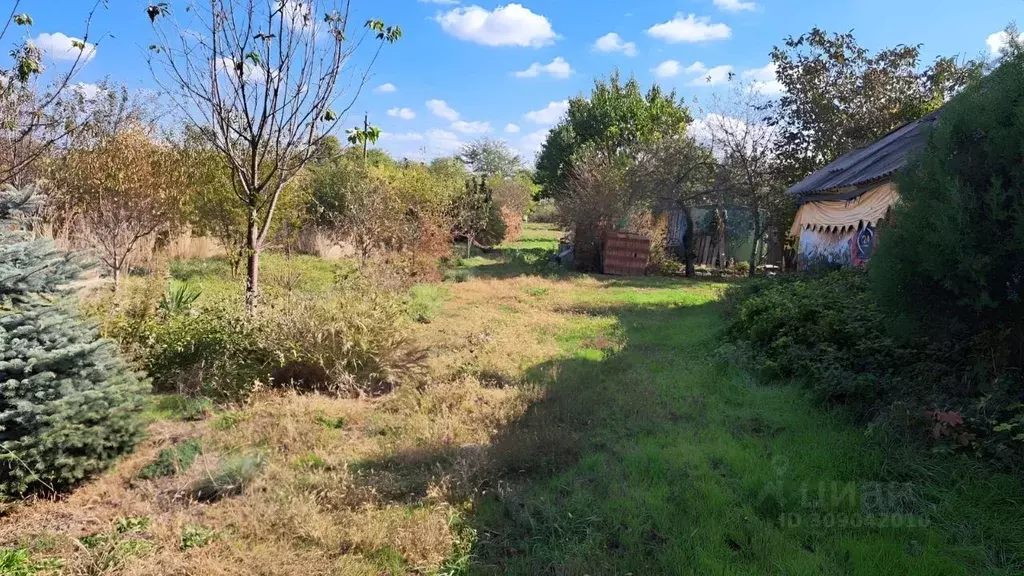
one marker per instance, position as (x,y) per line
(232,475)
(544,211)
(341,344)
(217,352)
(347,337)
(825,331)
(951,262)
(69,406)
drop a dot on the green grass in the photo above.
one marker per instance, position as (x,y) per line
(651,456)
(172,461)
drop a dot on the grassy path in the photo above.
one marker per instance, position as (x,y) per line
(649,455)
(568,424)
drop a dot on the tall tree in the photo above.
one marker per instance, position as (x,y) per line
(838,95)
(492,158)
(264,77)
(617,119)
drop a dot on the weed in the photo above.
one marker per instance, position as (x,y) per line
(131,524)
(227,420)
(18,562)
(310,461)
(177,407)
(388,560)
(194,536)
(172,461)
(230,478)
(330,423)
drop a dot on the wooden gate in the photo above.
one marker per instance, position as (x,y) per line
(625,254)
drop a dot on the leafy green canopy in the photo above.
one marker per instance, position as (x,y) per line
(616,120)
(839,96)
(68,404)
(953,258)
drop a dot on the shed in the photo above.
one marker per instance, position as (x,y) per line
(842,204)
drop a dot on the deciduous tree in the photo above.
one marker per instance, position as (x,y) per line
(266,81)
(838,95)
(616,120)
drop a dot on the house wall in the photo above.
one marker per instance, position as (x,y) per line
(820,248)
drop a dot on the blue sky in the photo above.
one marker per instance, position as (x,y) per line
(504,70)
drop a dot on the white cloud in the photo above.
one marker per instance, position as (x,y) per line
(403,113)
(401,137)
(471,127)
(297,14)
(735,5)
(530,144)
(689,29)
(612,42)
(996,42)
(667,69)
(511,128)
(87,90)
(251,73)
(710,76)
(511,25)
(558,68)
(548,115)
(386,88)
(62,47)
(763,80)
(441,109)
(442,142)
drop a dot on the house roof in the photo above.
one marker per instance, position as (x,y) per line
(869,163)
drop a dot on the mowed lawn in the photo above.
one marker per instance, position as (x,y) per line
(569,424)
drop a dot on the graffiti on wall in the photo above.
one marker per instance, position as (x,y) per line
(818,249)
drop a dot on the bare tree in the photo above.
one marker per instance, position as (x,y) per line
(745,145)
(269,79)
(29,125)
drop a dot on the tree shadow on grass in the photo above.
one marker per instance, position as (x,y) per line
(535,511)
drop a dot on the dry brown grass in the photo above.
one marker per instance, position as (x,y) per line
(328,500)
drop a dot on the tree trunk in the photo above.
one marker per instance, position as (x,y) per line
(757,240)
(117,279)
(252,266)
(720,241)
(688,252)
(469,245)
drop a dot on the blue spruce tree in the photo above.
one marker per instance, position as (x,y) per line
(68,405)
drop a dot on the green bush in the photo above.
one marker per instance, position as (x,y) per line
(951,262)
(216,352)
(68,405)
(544,211)
(825,331)
(348,337)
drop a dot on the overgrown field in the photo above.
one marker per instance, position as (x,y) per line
(567,424)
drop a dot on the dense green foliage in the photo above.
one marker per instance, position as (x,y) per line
(616,119)
(838,95)
(68,404)
(825,331)
(952,259)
